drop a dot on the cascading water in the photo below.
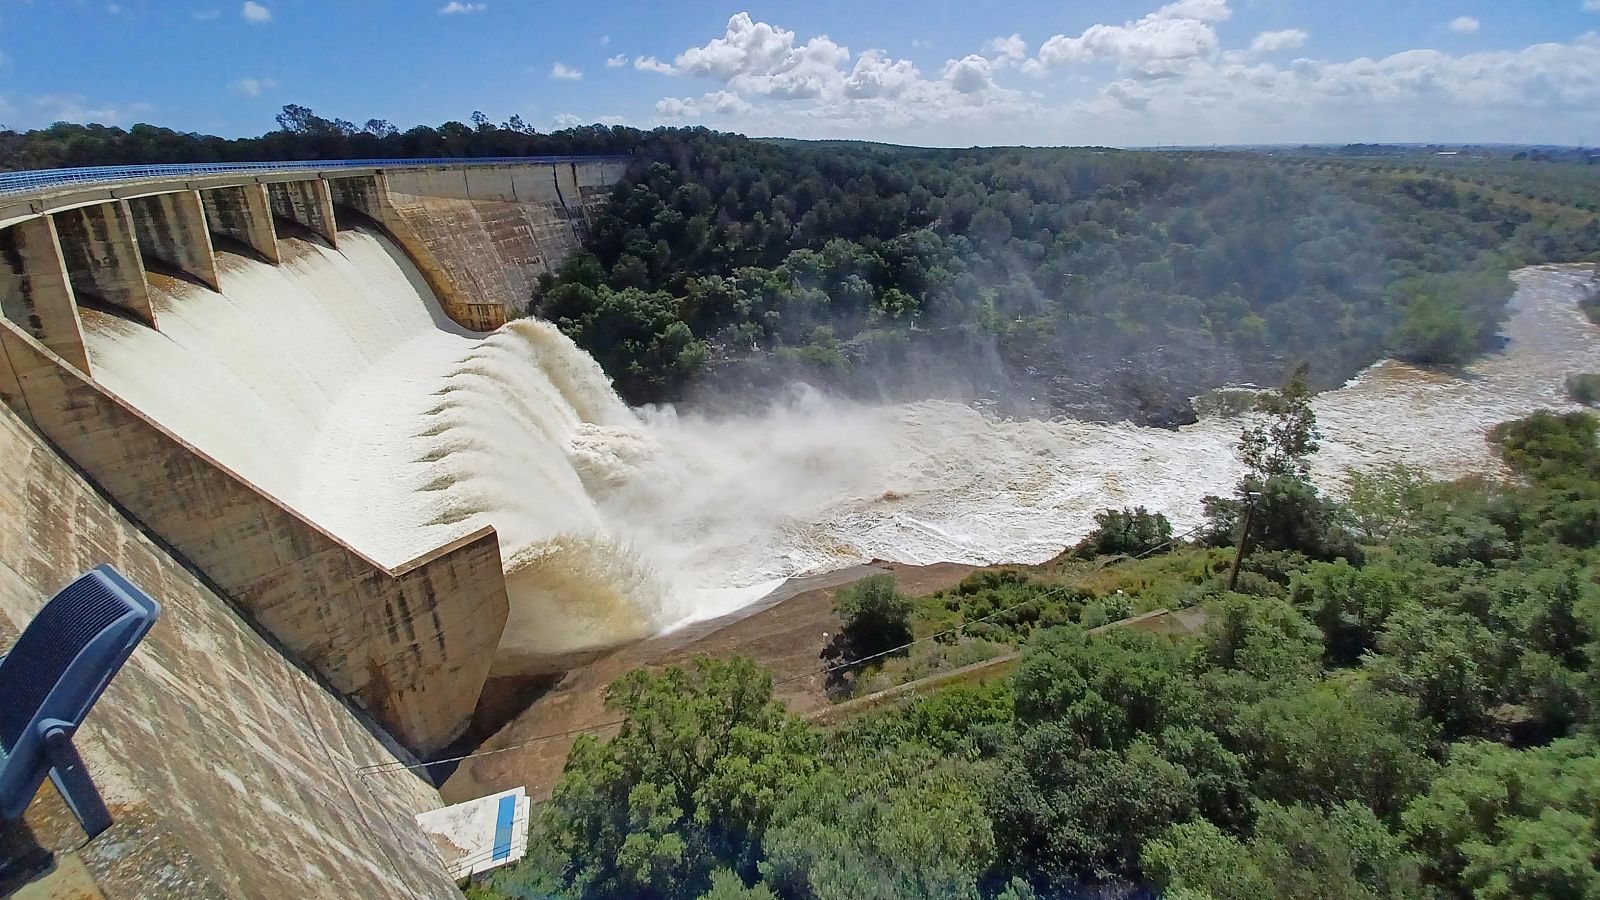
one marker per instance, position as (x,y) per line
(336,383)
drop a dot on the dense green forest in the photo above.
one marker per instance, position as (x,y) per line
(1101,281)
(1097,282)
(1400,698)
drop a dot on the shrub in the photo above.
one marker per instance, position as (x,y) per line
(1584,388)
(1132,531)
(876,616)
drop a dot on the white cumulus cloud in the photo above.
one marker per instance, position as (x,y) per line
(564,72)
(970,74)
(1007,50)
(1464,25)
(255,13)
(457,8)
(1274,41)
(651,64)
(617,62)
(769,79)
(1165,42)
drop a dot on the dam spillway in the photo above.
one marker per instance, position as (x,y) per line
(336,383)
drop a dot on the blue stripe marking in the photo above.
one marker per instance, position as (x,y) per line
(502,827)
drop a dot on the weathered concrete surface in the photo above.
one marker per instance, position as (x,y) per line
(243,213)
(171,229)
(412,645)
(307,203)
(102,257)
(492,230)
(228,769)
(369,196)
(35,292)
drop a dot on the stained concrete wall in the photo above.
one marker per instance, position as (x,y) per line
(171,229)
(492,230)
(229,771)
(35,292)
(368,196)
(243,213)
(307,203)
(102,257)
(412,645)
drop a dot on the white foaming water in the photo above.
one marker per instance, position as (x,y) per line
(336,383)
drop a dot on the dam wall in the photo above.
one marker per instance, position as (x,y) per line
(412,645)
(492,230)
(410,640)
(229,771)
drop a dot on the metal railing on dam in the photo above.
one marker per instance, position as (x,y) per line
(32,180)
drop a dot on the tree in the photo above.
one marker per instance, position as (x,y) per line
(689,785)
(1132,531)
(1281,444)
(876,616)
(900,824)
(1350,605)
(1064,812)
(1334,744)
(1107,688)
(1295,852)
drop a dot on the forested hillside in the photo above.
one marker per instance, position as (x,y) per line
(1398,699)
(1099,282)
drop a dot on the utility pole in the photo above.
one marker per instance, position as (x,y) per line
(1244,538)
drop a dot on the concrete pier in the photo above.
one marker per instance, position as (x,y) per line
(308,203)
(243,213)
(171,229)
(102,257)
(35,291)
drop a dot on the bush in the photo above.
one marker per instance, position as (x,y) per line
(876,616)
(1584,388)
(1290,514)
(1133,531)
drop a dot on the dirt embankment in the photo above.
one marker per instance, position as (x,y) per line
(784,632)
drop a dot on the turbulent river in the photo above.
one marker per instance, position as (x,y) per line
(336,384)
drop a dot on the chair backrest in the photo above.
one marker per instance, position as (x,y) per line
(58,668)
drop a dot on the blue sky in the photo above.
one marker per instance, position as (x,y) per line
(914,71)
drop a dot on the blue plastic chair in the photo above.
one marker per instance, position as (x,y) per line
(52,678)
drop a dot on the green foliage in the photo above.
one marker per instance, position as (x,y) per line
(1108,689)
(1548,446)
(1584,388)
(1064,812)
(1290,514)
(1295,852)
(888,827)
(1505,823)
(1040,257)
(1280,445)
(727,885)
(688,786)
(1028,603)
(1449,317)
(1350,605)
(1134,532)
(876,616)
(1333,744)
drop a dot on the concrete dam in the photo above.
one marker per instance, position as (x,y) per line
(214,380)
